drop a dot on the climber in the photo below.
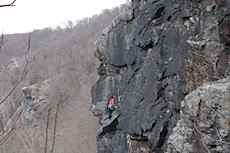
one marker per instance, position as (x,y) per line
(111,106)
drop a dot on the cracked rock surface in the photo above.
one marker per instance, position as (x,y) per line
(157,52)
(204,120)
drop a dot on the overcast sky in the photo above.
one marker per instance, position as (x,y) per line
(38,14)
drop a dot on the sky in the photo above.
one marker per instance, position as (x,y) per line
(28,15)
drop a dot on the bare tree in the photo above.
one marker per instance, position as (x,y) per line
(47,126)
(4,135)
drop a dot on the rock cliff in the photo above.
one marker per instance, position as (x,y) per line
(157,52)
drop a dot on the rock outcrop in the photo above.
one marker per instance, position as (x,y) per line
(35,103)
(157,52)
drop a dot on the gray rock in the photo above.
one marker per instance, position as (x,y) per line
(33,104)
(166,50)
(204,120)
(113,44)
(126,14)
(108,124)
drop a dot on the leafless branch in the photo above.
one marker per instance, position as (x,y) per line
(28,48)
(218,134)
(209,76)
(55,123)
(47,126)
(27,137)
(24,71)
(205,146)
(6,5)
(207,136)
(2,140)
(24,142)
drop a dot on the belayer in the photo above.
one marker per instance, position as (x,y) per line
(111,106)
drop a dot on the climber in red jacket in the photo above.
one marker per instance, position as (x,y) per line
(111,106)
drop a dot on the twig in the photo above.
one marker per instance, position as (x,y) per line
(47,126)
(24,142)
(209,76)
(221,139)
(207,136)
(28,48)
(55,124)
(12,4)
(205,146)
(28,142)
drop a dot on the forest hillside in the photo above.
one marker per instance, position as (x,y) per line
(48,75)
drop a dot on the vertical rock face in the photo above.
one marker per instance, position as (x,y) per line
(156,52)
